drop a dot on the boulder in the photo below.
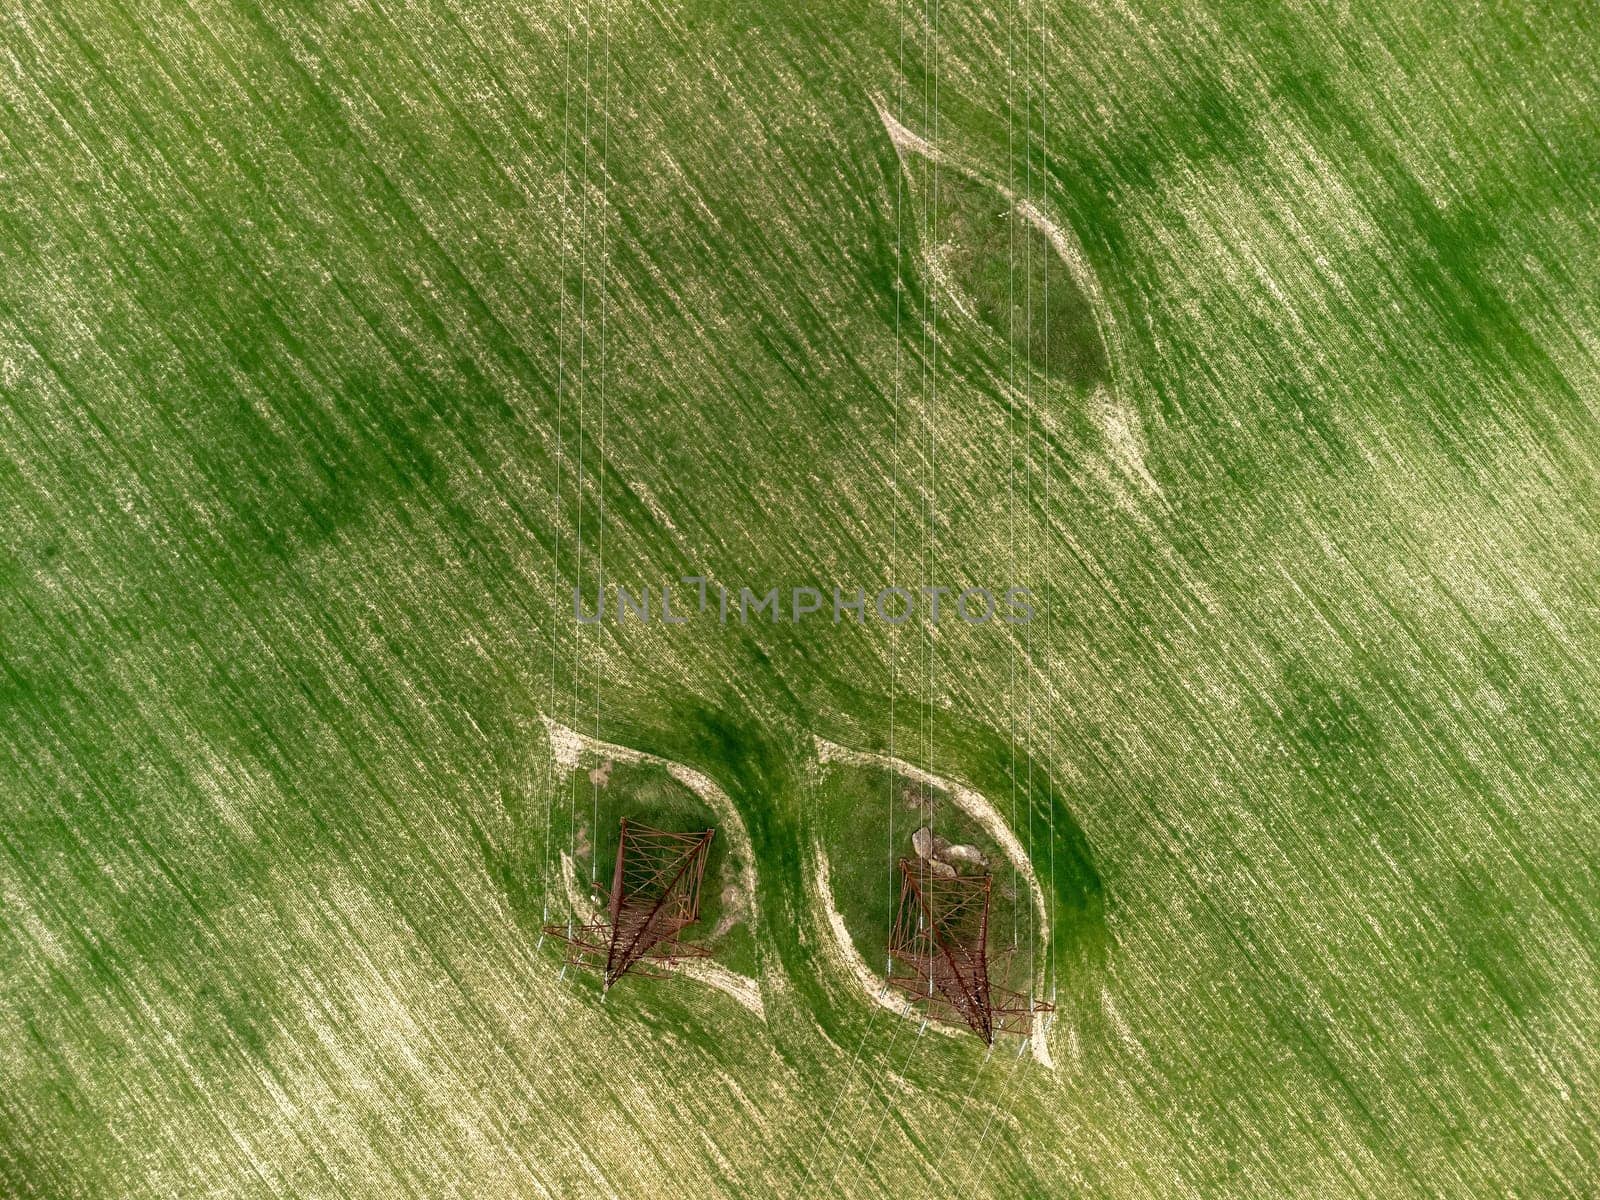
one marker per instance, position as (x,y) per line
(963,854)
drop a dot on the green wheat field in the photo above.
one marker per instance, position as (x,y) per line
(341,339)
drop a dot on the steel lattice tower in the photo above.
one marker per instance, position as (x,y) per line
(940,944)
(654,894)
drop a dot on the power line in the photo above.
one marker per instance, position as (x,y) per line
(560,453)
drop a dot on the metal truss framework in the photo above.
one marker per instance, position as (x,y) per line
(654,894)
(941,945)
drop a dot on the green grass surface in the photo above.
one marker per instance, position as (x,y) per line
(337,341)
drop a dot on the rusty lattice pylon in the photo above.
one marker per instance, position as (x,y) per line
(655,893)
(940,944)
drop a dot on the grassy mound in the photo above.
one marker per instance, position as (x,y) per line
(1007,272)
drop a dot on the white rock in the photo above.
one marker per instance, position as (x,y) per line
(963,854)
